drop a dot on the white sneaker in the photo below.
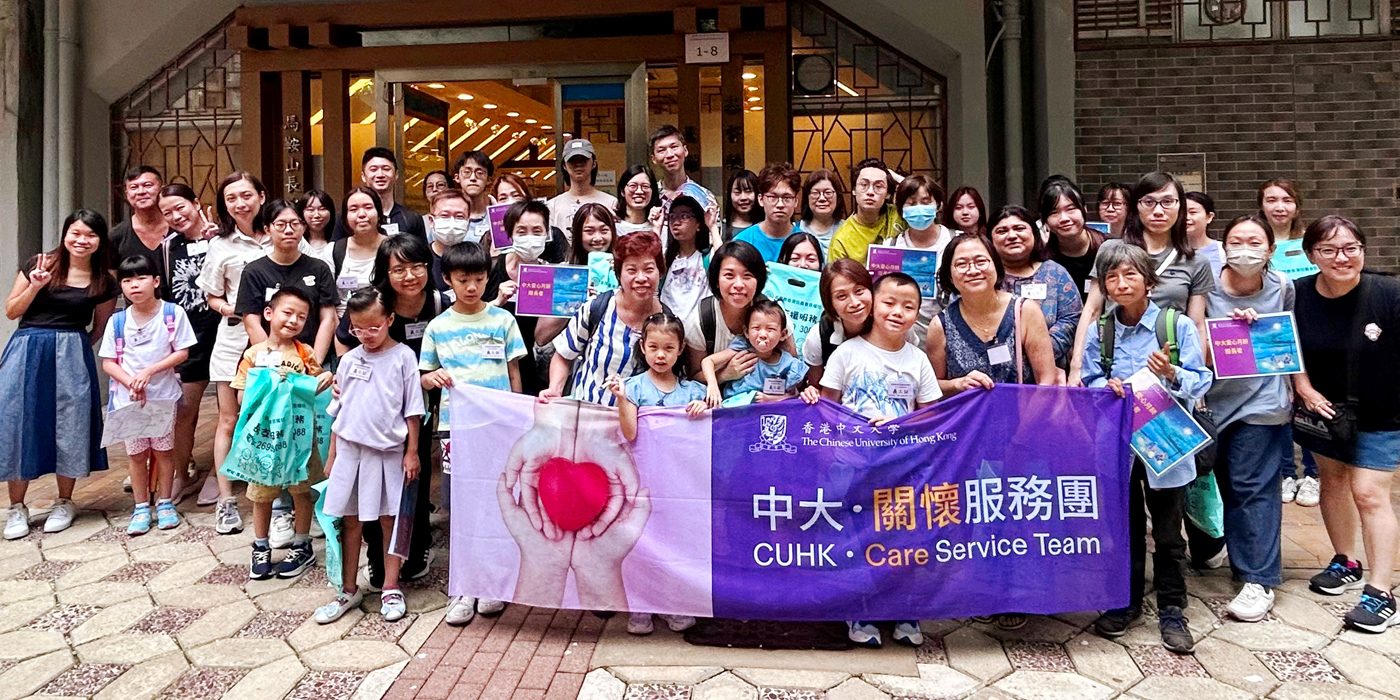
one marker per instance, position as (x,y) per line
(678,623)
(227,519)
(864,634)
(1252,604)
(639,623)
(1309,492)
(490,607)
(908,633)
(17,525)
(61,517)
(281,533)
(1220,559)
(460,611)
(1290,489)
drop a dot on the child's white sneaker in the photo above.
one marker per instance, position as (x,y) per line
(864,634)
(678,623)
(639,623)
(336,609)
(490,607)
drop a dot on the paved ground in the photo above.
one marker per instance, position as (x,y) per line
(91,613)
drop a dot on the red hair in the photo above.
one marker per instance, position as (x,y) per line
(643,244)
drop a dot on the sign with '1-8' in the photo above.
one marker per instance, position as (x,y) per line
(707,48)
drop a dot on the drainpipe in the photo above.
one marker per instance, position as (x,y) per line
(67,162)
(50,165)
(1014,130)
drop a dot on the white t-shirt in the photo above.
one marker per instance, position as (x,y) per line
(875,382)
(563,207)
(354,273)
(325,252)
(687,282)
(145,344)
(626,227)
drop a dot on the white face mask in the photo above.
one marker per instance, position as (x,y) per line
(450,232)
(1247,260)
(530,248)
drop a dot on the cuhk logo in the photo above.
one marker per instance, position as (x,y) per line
(772,435)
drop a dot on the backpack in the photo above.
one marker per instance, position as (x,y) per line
(119,327)
(599,305)
(709,321)
(825,327)
(338,254)
(1166,336)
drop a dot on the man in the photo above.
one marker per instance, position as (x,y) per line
(379,170)
(450,224)
(143,232)
(473,170)
(668,151)
(580,172)
(875,220)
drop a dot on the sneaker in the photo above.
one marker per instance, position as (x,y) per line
(639,624)
(1309,492)
(984,619)
(1374,613)
(908,633)
(166,517)
(298,560)
(1176,636)
(336,609)
(316,532)
(140,520)
(1115,623)
(260,568)
(460,611)
(489,608)
(1338,578)
(678,623)
(17,525)
(1252,604)
(1290,489)
(61,517)
(1011,621)
(281,532)
(227,519)
(419,572)
(1220,559)
(209,492)
(863,634)
(392,606)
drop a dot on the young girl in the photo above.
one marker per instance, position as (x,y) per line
(741,204)
(687,257)
(776,375)
(966,211)
(318,210)
(45,430)
(140,350)
(352,257)
(802,250)
(380,399)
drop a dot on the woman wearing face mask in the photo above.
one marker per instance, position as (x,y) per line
(823,207)
(1031,275)
(318,209)
(638,201)
(352,258)
(1200,212)
(1113,207)
(966,212)
(741,208)
(1072,244)
(528,224)
(687,257)
(1252,416)
(802,250)
(919,199)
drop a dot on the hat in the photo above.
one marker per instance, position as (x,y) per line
(578,147)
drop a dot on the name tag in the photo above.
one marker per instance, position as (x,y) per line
(309,280)
(140,335)
(495,351)
(1035,291)
(267,294)
(902,389)
(391,229)
(774,385)
(998,354)
(360,371)
(414,331)
(268,358)
(1088,285)
(197,248)
(347,282)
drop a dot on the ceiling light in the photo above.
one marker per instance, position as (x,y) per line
(512,114)
(750,76)
(755,98)
(464,96)
(753,88)
(502,149)
(316,118)
(546,127)
(458,141)
(370,118)
(436,133)
(532,121)
(489,105)
(457,116)
(436,86)
(755,109)
(847,89)
(549,175)
(409,124)
(359,85)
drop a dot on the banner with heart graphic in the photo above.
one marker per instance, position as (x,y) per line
(1013,499)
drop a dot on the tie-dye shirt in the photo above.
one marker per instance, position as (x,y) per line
(875,382)
(474,348)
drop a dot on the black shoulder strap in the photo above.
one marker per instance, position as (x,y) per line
(1107,330)
(338,254)
(708,323)
(825,327)
(1358,332)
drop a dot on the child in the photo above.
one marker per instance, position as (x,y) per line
(140,350)
(662,345)
(474,343)
(380,399)
(286,315)
(777,373)
(882,376)
(1127,274)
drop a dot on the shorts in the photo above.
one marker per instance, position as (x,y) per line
(1378,450)
(228,349)
(261,493)
(195,368)
(164,443)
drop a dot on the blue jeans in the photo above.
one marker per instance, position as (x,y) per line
(1249,481)
(1291,469)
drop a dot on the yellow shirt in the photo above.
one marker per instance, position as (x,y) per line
(853,239)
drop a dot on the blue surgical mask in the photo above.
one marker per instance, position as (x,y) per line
(920,216)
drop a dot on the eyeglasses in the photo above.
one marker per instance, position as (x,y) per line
(878,185)
(362,332)
(1331,251)
(285,226)
(637,187)
(1112,204)
(823,194)
(681,217)
(784,198)
(417,270)
(1148,203)
(967,265)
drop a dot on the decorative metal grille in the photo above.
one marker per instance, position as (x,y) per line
(1136,22)
(881,103)
(185,121)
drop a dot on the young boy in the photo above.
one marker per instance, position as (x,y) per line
(777,373)
(140,349)
(882,376)
(473,343)
(1127,274)
(286,314)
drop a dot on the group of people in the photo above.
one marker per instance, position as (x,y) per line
(386,308)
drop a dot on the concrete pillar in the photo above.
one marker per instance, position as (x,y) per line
(1013,124)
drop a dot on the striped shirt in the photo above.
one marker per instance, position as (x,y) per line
(599,354)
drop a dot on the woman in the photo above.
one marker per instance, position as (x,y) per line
(354,255)
(1071,244)
(846,291)
(637,198)
(184,255)
(1200,212)
(51,422)
(317,209)
(511,188)
(685,280)
(1030,274)
(920,197)
(603,333)
(1252,417)
(823,207)
(1347,323)
(1282,208)
(737,274)
(739,201)
(241,240)
(1113,207)
(596,231)
(966,211)
(401,270)
(527,222)
(802,250)
(434,182)
(778,184)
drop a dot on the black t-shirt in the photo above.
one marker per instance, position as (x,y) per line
(64,308)
(262,277)
(402,325)
(1330,343)
(184,259)
(1079,268)
(127,243)
(406,220)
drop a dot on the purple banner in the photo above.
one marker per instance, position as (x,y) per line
(1232,348)
(496,216)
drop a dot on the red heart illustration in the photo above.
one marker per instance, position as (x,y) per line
(572,493)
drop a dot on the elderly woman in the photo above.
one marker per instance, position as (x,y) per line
(1031,274)
(1349,326)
